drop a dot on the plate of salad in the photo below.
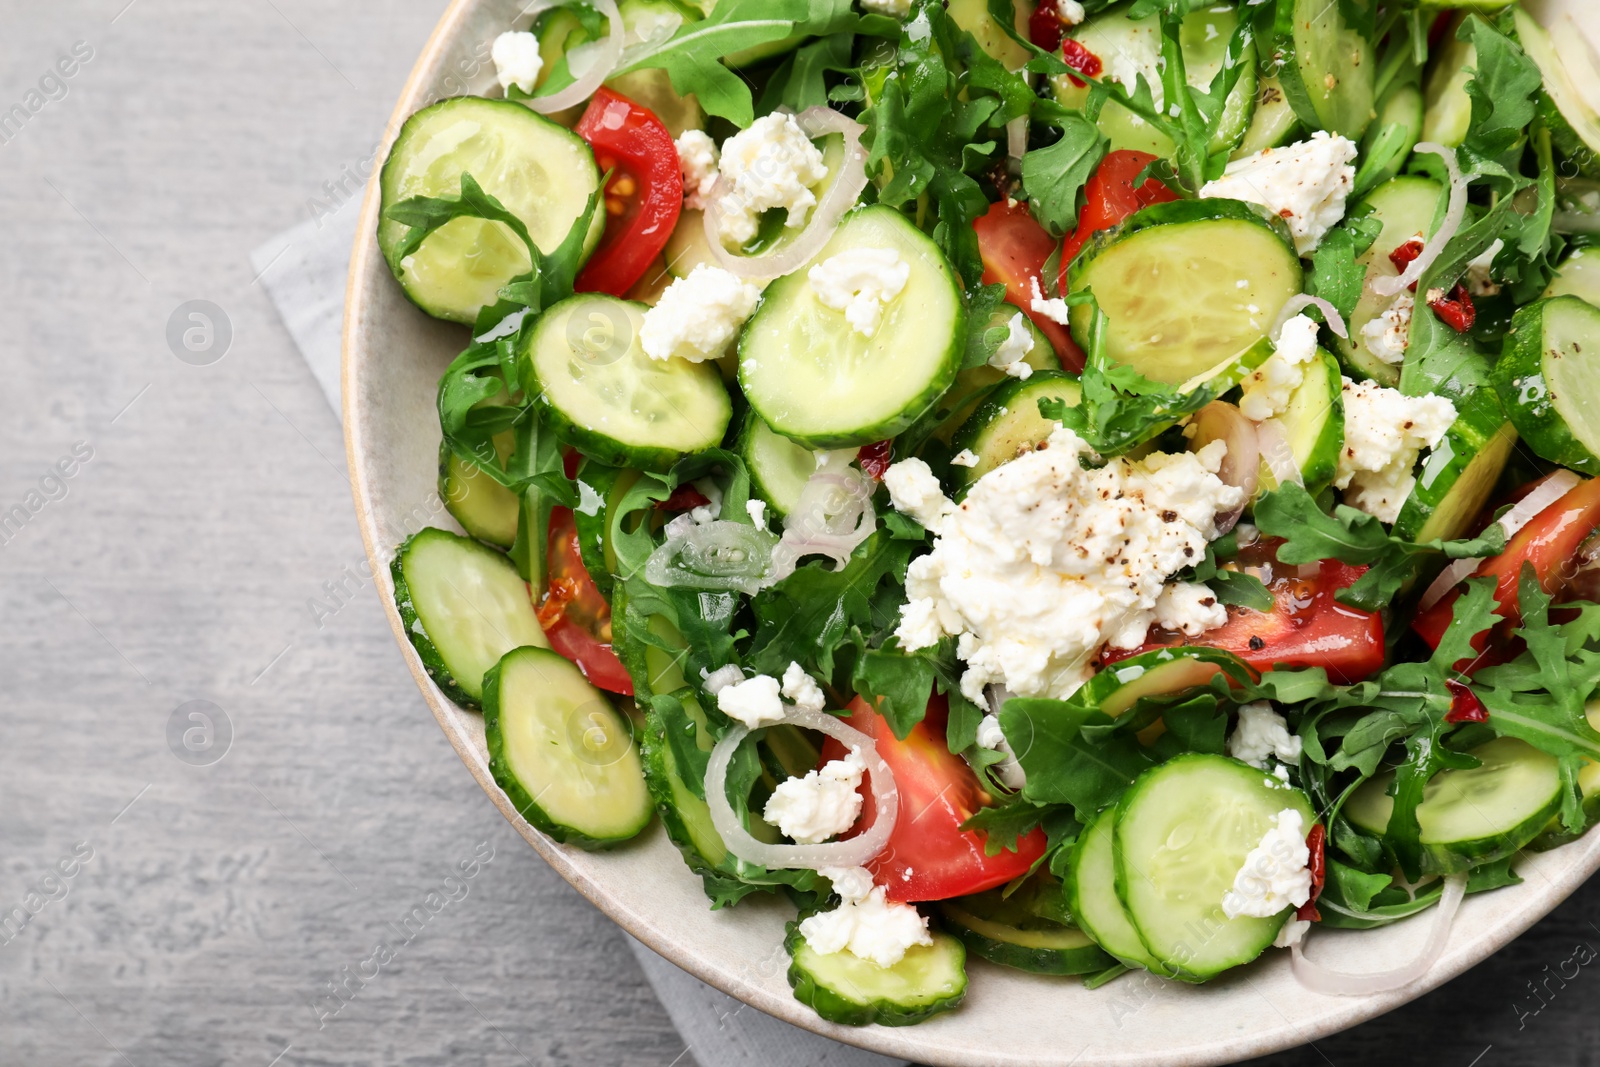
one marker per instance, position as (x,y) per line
(940,514)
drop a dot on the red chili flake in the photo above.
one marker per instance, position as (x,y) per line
(1316,841)
(683,498)
(1456,310)
(1044,26)
(1403,256)
(1081,60)
(874,459)
(1464,704)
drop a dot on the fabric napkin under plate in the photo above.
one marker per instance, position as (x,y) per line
(303,271)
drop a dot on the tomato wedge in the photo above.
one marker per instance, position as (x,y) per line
(574,613)
(929,856)
(644,198)
(1014,248)
(1306,626)
(1549,541)
(1109,198)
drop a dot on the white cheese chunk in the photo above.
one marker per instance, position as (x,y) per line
(1388,335)
(1012,354)
(757,510)
(822,804)
(1189,608)
(1055,309)
(802,690)
(1384,433)
(516,60)
(866,924)
(914,491)
(753,702)
(1276,874)
(698,316)
(1479,282)
(965,458)
(1305,184)
(697,157)
(860,282)
(768,166)
(1267,389)
(1261,734)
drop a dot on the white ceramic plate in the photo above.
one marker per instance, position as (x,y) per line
(393,356)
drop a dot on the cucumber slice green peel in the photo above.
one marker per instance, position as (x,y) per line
(1092,896)
(854,992)
(1008,423)
(1003,933)
(1329,73)
(1548,379)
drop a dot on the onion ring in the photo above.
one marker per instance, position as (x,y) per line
(1320,979)
(607,58)
(1298,304)
(1435,245)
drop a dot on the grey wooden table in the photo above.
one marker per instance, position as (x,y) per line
(302,874)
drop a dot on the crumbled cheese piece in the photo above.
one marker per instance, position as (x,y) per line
(1054,309)
(698,316)
(1387,336)
(516,59)
(866,923)
(992,737)
(1262,733)
(1012,354)
(860,282)
(1045,562)
(1479,283)
(802,690)
(821,805)
(1189,608)
(719,679)
(1069,12)
(1281,773)
(1384,433)
(712,508)
(965,458)
(893,8)
(1276,874)
(1293,932)
(1305,184)
(758,512)
(1267,388)
(697,156)
(753,701)
(769,165)
(990,734)
(914,491)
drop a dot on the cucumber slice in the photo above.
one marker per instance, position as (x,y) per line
(1092,894)
(1159,672)
(974,17)
(560,32)
(1313,425)
(813,378)
(1183,831)
(1448,111)
(843,988)
(1001,932)
(1188,286)
(561,753)
(1132,47)
(1554,832)
(1570,102)
(973,385)
(688,247)
(1459,474)
(779,468)
(1548,378)
(588,371)
(1330,69)
(1274,122)
(1579,276)
(1402,106)
(485,509)
(1008,422)
(1405,206)
(464,606)
(1475,816)
(537,170)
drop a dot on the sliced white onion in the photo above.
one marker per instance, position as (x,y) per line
(1298,304)
(719,555)
(607,55)
(1016,140)
(1522,512)
(856,852)
(1434,245)
(841,196)
(1276,453)
(833,515)
(1241,467)
(1320,979)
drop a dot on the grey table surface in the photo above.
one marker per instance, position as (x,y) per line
(220,884)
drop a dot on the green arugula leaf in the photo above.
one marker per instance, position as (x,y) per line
(1504,89)
(801,81)
(1062,765)
(901,682)
(1232,587)
(1053,176)
(1335,275)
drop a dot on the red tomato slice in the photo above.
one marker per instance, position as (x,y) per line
(574,613)
(1109,198)
(1306,627)
(645,195)
(1549,542)
(1014,248)
(928,856)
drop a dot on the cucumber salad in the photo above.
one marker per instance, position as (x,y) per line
(1091,486)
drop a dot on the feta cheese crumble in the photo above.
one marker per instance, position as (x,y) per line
(866,923)
(1260,734)
(965,458)
(1054,309)
(821,805)
(769,165)
(914,491)
(1070,12)
(1293,932)
(1388,335)
(992,737)
(757,510)
(1384,433)
(1189,608)
(1305,184)
(697,157)
(860,282)
(1044,562)
(802,690)
(1012,354)
(1268,388)
(517,61)
(753,701)
(1276,874)
(698,316)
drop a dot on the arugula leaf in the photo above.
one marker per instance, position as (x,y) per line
(801,81)
(1335,275)
(982,340)
(1354,537)
(1064,766)
(902,682)
(1232,587)
(1504,89)
(1052,176)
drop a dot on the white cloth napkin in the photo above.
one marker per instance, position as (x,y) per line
(303,271)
